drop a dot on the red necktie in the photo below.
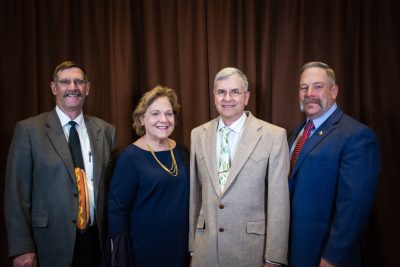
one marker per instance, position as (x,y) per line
(296,152)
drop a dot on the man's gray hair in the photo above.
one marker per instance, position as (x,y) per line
(315,64)
(227,72)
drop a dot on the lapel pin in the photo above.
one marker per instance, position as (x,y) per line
(321,133)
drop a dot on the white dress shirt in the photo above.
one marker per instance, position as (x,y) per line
(234,135)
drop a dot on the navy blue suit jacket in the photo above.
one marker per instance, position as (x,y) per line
(332,189)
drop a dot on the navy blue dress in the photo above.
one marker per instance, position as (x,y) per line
(151,206)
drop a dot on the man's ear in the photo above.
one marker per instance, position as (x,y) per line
(53,88)
(87,88)
(334,91)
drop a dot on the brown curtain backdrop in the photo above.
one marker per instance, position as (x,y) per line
(129,47)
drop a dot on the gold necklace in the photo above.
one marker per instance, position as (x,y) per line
(174,168)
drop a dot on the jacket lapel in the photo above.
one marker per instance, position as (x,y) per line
(246,145)
(56,135)
(294,134)
(323,131)
(95,134)
(208,144)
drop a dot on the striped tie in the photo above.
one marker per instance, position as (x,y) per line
(296,152)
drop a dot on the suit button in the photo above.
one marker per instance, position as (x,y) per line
(221,229)
(221,206)
(74,221)
(75,194)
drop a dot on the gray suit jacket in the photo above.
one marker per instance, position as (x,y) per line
(249,220)
(41,200)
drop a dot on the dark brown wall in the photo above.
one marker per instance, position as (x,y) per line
(128,47)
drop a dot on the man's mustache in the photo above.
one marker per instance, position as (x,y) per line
(312,101)
(72,93)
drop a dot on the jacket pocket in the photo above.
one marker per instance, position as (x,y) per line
(256,227)
(40,221)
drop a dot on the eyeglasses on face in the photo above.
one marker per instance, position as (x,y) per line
(232,93)
(67,82)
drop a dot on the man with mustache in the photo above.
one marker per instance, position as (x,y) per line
(335,165)
(55,198)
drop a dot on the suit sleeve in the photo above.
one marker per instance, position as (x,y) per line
(122,195)
(278,210)
(195,193)
(357,180)
(114,150)
(17,196)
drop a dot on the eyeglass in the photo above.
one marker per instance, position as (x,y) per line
(232,93)
(67,82)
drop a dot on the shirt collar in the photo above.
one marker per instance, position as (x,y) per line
(321,119)
(65,119)
(237,126)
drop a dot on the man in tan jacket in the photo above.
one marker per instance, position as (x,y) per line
(239,198)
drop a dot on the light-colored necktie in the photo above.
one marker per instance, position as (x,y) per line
(224,162)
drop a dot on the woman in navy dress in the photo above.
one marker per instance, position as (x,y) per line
(149,193)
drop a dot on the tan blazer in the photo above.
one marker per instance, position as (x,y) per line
(249,220)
